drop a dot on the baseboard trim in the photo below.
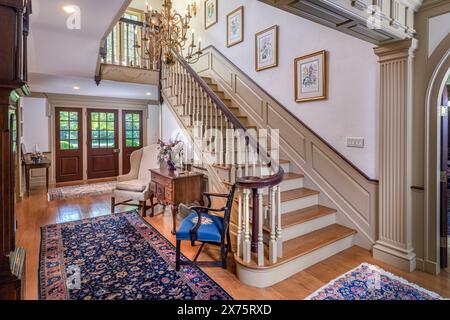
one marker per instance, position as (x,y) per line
(404,260)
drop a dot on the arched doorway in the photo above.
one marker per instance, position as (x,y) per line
(435,190)
(444,216)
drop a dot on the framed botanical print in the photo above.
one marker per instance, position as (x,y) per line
(311,77)
(210,13)
(266,48)
(235,27)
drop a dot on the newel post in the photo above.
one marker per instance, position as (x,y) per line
(394,244)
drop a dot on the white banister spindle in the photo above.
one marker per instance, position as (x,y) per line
(240,225)
(222,145)
(217,146)
(278,219)
(260,228)
(273,255)
(246,250)
(246,155)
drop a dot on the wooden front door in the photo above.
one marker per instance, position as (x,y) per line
(102,143)
(69,144)
(132,135)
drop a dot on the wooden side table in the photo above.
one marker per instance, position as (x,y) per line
(173,188)
(30,165)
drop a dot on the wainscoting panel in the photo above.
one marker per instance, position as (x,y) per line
(345,185)
(249,97)
(222,71)
(288,133)
(342,185)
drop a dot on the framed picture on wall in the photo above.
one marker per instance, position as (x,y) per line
(266,48)
(235,27)
(311,77)
(211,13)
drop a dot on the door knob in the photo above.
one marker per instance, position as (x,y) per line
(116,150)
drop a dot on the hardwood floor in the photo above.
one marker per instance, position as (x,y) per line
(35,211)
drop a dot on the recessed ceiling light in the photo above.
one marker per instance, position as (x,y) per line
(148,94)
(76,88)
(70,9)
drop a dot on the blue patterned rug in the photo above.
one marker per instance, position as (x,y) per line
(368,282)
(116,257)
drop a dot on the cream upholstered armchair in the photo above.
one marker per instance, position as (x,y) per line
(135,186)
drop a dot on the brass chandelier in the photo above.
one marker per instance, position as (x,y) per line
(167,31)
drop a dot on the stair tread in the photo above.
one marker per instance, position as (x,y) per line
(292,176)
(295,194)
(303,245)
(304,215)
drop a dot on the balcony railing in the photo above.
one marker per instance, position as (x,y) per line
(127,46)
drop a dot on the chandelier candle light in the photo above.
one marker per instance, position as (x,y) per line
(168,30)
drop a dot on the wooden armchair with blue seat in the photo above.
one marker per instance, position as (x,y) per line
(203,226)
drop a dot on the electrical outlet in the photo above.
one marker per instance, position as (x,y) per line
(355,142)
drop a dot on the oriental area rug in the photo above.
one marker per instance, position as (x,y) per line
(369,282)
(79,191)
(116,257)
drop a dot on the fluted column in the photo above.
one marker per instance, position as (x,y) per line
(394,244)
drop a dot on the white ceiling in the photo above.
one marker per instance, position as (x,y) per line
(112,89)
(60,58)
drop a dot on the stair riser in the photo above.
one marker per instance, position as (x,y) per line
(291,184)
(285,166)
(263,278)
(308,226)
(301,203)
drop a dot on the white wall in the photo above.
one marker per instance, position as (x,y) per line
(140,4)
(36,124)
(153,124)
(438,29)
(170,127)
(352,107)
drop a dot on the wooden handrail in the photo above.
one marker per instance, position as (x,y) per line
(244,182)
(133,22)
(345,159)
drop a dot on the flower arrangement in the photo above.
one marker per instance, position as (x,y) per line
(170,153)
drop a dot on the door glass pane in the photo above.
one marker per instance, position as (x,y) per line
(68,130)
(133,129)
(64,116)
(103,130)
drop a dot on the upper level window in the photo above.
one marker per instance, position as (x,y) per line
(121,42)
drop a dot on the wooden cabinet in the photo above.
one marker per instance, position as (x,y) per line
(173,189)
(13,75)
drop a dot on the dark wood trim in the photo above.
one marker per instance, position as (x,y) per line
(102,151)
(372,180)
(65,153)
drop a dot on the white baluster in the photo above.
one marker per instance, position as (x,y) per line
(260,228)
(273,255)
(246,250)
(246,154)
(278,217)
(240,227)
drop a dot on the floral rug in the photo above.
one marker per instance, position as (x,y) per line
(116,257)
(369,282)
(84,190)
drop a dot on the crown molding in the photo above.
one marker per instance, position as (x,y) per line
(92,100)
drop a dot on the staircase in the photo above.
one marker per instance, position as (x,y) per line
(293,230)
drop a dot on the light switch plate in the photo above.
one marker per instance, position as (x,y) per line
(355,142)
